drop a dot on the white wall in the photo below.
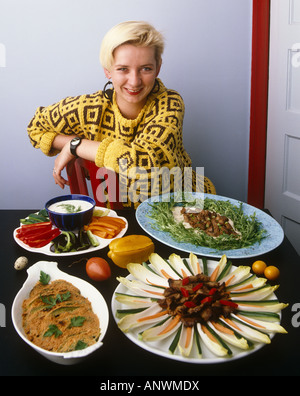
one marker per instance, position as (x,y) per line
(49,50)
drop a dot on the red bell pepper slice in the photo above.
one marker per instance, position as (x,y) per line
(206,300)
(33,233)
(189,304)
(185,281)
(212,291)
(41,241)
(36,225)
(229,303)
(30,230)
(197,287)
(40,235)
(184,292)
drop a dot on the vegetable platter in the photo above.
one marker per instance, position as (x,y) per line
(90,239)
(249,318)
(260,233)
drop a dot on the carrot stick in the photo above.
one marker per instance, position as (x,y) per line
(97,227)
(157,315)
(114,219)
(152,292)
(101,234)
(213,276)
(164,273)
(245,287)
(106,224)
(223,329)
(184,274)
(152,284)
(171,325)
(208,333)
(250,322)
(229,280)
(188,336)
(231,323)
(111,220)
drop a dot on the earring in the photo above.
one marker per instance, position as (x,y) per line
(108,92)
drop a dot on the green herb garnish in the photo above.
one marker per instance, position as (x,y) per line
(248,226)
(53,330)
(77,321)
(80,345)
(52,301)
(70,208)
(44,278)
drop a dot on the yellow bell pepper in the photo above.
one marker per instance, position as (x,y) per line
(130,249)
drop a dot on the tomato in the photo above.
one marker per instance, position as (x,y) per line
(258,267)
(98,269)
(271,272)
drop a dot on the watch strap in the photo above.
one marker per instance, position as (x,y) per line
(74,143)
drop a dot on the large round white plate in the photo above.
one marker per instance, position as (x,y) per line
(161,347)
(274,230)
(103,242)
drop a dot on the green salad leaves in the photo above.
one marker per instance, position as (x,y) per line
(249,227)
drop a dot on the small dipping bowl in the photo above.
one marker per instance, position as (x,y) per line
(71,221)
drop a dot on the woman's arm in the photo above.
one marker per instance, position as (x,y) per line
(86,150)
(66,118)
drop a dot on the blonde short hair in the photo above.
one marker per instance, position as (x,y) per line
(138,33)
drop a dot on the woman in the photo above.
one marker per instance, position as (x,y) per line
(133,129)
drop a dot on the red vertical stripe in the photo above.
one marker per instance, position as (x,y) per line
(259,102)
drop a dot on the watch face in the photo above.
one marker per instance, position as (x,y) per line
(74,144)
(76,141)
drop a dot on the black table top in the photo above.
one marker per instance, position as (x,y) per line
(119,356)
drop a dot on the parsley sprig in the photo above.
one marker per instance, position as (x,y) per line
(77,321)
(53,330)
(44,278)
(52,301)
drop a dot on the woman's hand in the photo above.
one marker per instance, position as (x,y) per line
(60,163)
(86,150)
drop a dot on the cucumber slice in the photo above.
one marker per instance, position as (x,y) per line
(92,238)
(175,341)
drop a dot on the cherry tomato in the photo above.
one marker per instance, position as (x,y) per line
(258,267)
(98,269)
(271,272)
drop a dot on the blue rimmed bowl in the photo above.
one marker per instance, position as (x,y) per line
(68,220)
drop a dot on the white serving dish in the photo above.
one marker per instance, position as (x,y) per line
(87,290)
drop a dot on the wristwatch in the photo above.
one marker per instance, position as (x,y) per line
(74,143)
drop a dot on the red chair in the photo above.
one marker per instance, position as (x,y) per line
(104,182)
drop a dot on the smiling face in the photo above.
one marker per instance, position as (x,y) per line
(133,75)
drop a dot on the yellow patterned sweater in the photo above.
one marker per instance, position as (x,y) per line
(152,140)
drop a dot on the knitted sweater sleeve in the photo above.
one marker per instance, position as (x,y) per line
(80,115)
(157,141)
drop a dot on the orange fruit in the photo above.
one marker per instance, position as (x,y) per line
(258,267)
(271,272)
